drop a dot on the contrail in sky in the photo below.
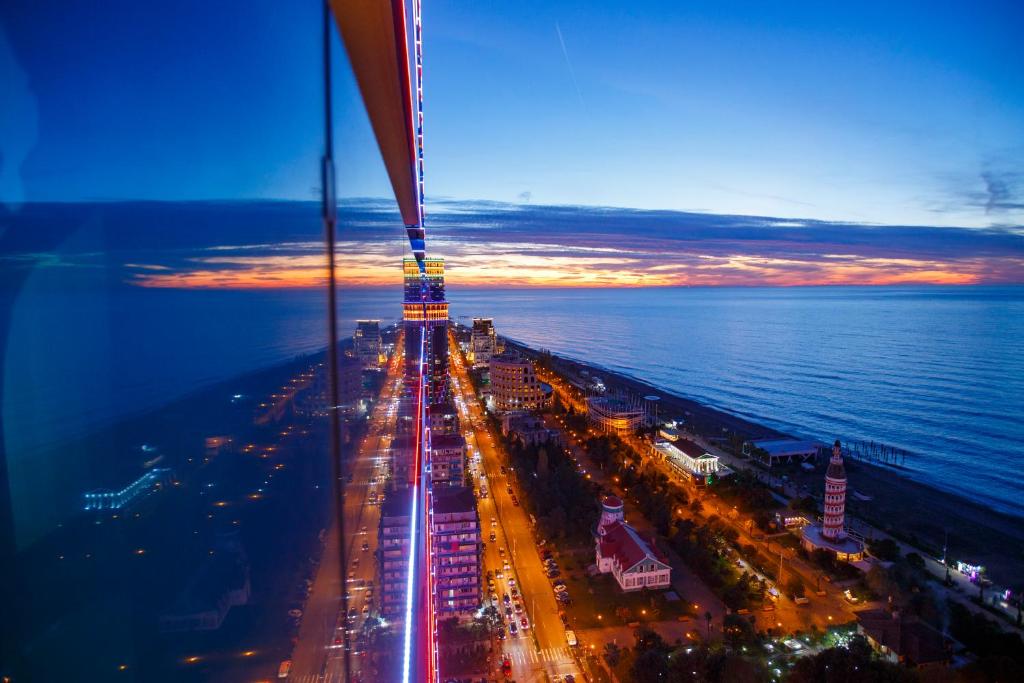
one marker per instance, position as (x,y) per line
(572,74)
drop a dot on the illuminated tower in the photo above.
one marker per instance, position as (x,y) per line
(436,309)
(835,496)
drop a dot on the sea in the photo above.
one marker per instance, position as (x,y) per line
(936,371)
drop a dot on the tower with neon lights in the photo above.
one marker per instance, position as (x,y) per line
(832,526)
(436,310)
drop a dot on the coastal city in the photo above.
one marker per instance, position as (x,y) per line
(581,531)
(414,341)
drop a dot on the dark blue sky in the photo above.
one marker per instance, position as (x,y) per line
(858,112)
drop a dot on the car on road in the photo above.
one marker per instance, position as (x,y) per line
(366,546)
(508,611)
(554,573)
(492,538)
(505,599)
(511,581)
(524,623)
(515,501)
(500,632)
(519,607)
(508,489)
(494,521)
(564,617)
(558,585)
(513,629)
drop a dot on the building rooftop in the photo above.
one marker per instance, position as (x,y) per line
(908,637)
(812,532)
(447,441)
(451,499)
(623,543)
(784,447)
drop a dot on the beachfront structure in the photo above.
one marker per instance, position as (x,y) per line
(368,344)
(514,384)
(455,550)
(483,342)
(690,462)
(615,415)
(831,534)
(435,308)
(105,499)
(447,459)
(393,551)
(771,452)
(619,551)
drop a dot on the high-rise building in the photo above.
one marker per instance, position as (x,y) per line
(443,418)
(426,298)
(455,550)
(483,342)
(514,384)
(448,459)
(367,343)
(393,544)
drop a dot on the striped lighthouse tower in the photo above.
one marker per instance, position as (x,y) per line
(835,496)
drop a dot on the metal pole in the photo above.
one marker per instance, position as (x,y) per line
(329,212)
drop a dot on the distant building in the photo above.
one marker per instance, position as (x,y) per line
(483,342)
(443,418)
(771,452)
(150,482)
(831,534)
(455,545)
(435,310)
(615,415)
(401,455)
(691,462)
(368,344)
(393,548)
(904,639)
(528,429)
(514,384)
(448,459)
(315,399)
(220,582)
(620,551)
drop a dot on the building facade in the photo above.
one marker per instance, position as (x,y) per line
(393,549)
(368,344)
(425,298)
(483,342)
(614,415)
(455,550)
(634,563)
(690,462)
(514,384)
(448,459)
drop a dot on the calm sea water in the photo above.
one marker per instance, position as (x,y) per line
(936,371)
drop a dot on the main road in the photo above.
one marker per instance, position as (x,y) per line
(318,655)
(541,652)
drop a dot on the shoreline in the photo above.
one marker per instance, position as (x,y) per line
(919,513)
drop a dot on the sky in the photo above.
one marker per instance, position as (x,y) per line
(857,121)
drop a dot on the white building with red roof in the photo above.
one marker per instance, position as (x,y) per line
(620,551)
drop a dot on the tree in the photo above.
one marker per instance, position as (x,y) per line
(612,654)
(885,549)
(707,619)
(855,663)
